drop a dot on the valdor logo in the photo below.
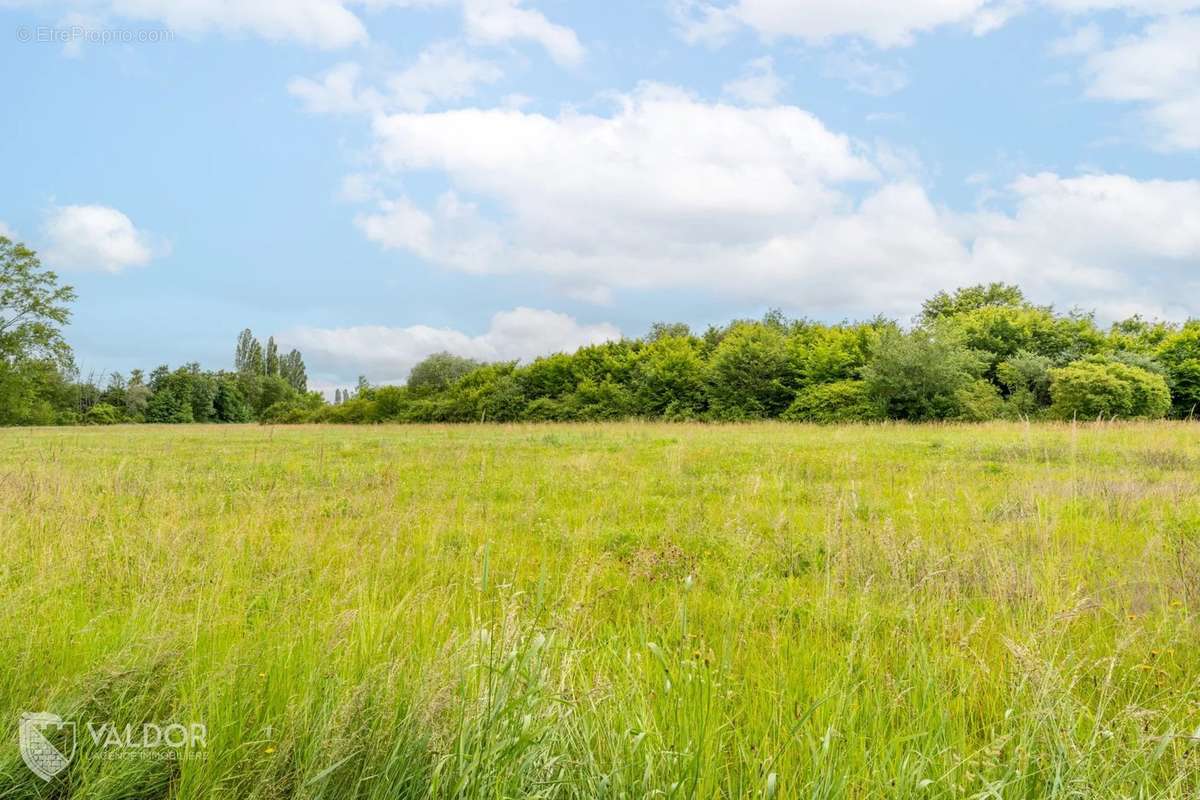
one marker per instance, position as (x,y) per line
(48,741)
(42,756)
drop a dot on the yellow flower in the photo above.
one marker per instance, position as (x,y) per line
(270,749)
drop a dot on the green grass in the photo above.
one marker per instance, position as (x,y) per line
(630,610)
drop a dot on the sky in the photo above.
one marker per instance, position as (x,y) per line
(372,181)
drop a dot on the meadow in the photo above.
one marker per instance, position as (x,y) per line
(607,611)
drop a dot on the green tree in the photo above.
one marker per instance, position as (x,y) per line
(920,375)
(438,371)
(292,369)
(945,305)
(228,403)
(248,358)
(1180,354)
(34,357)
(1107,389)
(750,375)
(669,379)
(837,402)
(271,363)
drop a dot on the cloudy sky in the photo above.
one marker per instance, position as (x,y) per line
(375,180)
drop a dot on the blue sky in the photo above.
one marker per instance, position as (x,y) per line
(375,180)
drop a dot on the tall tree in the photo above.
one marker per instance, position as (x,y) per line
(33,354)
(249,358)
(291,368)
(272,360)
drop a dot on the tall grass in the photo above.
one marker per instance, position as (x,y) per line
(619,611)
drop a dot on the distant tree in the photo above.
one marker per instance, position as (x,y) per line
(438,371)
(668,330)
(228,403)
(249,358)
(944,305)
(1026,381)
(1180,354)
(919,376)
(137,401)
(34,357)
(670,378)
(291,368)
(272,358)
(751,375)
(1107,389)
(831,403)
(102,414)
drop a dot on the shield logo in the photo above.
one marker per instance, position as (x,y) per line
(47,743)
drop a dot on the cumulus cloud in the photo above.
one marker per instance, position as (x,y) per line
(386,354)
(93,237)
(759,84)
(885,23)
(763,204)
(325,24)
(442,73)
(1159,69)
(865,75)
(335,92)
(497,21)
(320,23)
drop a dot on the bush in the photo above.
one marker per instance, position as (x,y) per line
(831,403)
(1095,389)
(920,376)
(102,414)
(437,372)
(751,375)
(1026,377)
(979,401)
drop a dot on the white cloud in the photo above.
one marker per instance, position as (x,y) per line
(1148,8)
(336,92)
(319,23)
(498,21)
(759,84)
(762,204)
(864,75)
(1160,70)
(6,231)
(1081,41)
(442,73)
(386,354)
(1102,240)
(96,238)
(885,23)
(326,24)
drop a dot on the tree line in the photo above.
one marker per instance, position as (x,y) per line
(40,384)
(979,353)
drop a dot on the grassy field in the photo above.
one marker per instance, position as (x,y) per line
(619,611)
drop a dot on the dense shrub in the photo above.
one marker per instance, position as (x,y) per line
(920,375)
(751,375)
(437,372)
(102,414)
(829,403)
(1180,355)
(1096,389)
